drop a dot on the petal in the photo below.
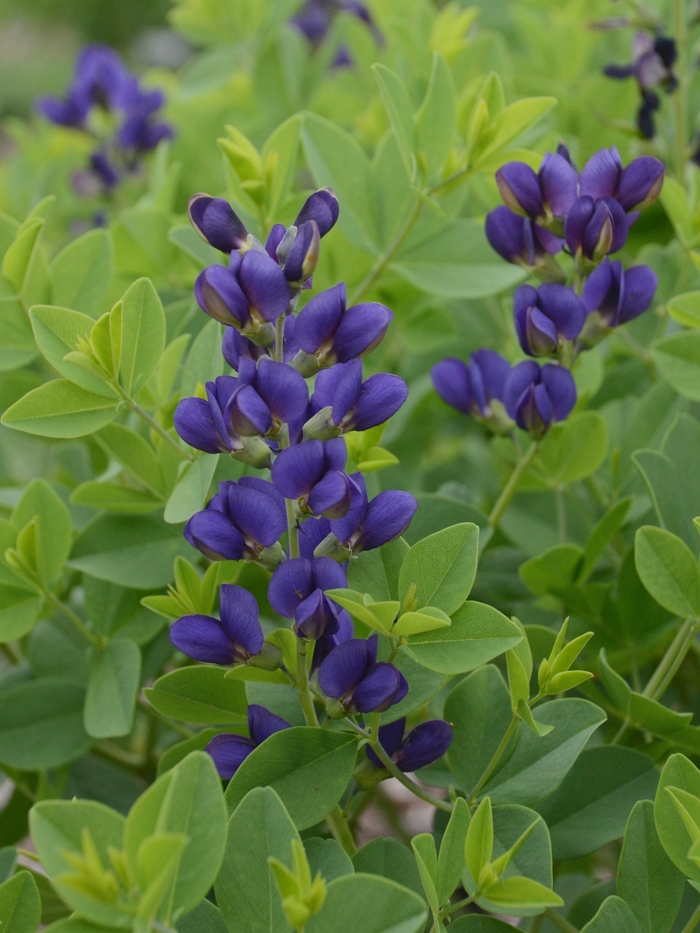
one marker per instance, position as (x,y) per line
(265,487)
(328,380)
(347,390)
(621,225)
(328,574)
(525,297)
(597,286)
(264,285)
(318,320)
(283,389)
(335,453)
(391,735)
(291,583)
(564,308)
(247,413)
(216,222)
(302,258)
(561,390)
(381,397)
(274,238)
(296,470)
(344,667)
(600,231)
(331,495)
(577,221)
(538,335)
(388,515)
(640,287)
(219,294)
(378,689)
(521,378)
(315,616)
(559,181)
(640,183)
(214,535)
(322,206)
(235,347)
(361,329)
(505,232)
(202,638)
(239,617)
(229,751)
(194,423)
(311,533)
(520,188)
(601,174)
(494,371)
(262,723)
(451,380)
(424,745)
(256,514)
(327,642)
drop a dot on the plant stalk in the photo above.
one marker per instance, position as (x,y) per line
(512,485)
(679,30)
(693,922)
(416,789)
(338,825)
(497,755)
(559,921)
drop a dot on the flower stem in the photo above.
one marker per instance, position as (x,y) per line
(338,825)
(453,908)
(556,918)
(416,789)
(512,485)
(74,618)
(693,922)
(303,688)
(497,755)
(679,31)
(672,660)
(159,429)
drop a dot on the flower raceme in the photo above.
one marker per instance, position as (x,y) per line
(472,388)
(545,196)
(229,750)
(535,397)
(355,405)
(352,675)
(296,592)
(313,474)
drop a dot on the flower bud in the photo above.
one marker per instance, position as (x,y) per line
(216,223)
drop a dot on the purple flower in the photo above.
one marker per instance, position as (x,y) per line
(328,641)
(249,294)
(215,221)
(332,334)
(547,317)
(418,749)
(634,187)
(322,207)
(522,242)
(315,17)
(471,389)
(595,228)
(296,591)
(536,397)
(229,751)
(234,639)
(652,67)
(352,675)
(302,257)
(239,522)
(311,533)
(613,296)
(357,405)
(373,523)
(235,346)
(139,133)
(543,196)
(314,472)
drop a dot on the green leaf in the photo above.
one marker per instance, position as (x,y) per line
(20,904)
(669,500)
(675,201)
(591,806)
(336,159)
(685,309)
(398,107)
(198,742)
(677,358)
(201,694)
(476,924)
(57,332)
(387,857)
(204,361)
(478,633)
(41,724)
(423,685)
(205,918)
(368,903)
(378,616)
(19,609)
(555,569)
(601,535)
(190,493)
(538,765)
(436,121)
(259,829)
(436,511)
(134,453)
(17,344)
(113,497)
(60,409)
(423,846)
(574,448)
(514,120)
(614,916)
(54,527)
(18,257)
(415,623)
(518,894)
(309,769)
(647,880)
(668,570)
(281,150)
(479,709)
(377,571)
(82,272)
(187,799)
(115,677)
(326,856)
(135,551)
(478,846)
(441,568)
(451,858)
(142,335)
(56,829)
(673,835)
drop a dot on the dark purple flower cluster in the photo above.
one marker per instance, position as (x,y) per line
(653,58)
(105,100)
(587,215)
(264,416)
(315,18)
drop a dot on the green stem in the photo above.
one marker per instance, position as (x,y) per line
(693,922)
(559,921)
(75,619)
(497,755)
(512,485)
(453,908)
(292,530)
(341,831)
(672,660)
(158,428)
(303,688)
(10,653)
(561,514)
(416,789)
(679,31)
(176,727)
(383,261)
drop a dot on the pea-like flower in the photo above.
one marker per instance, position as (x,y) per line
(472,388)
(535,397)
(545,196)
(229,750)
(548,318)
(374,522)
(239,523)
(418,748)
(613,296)
(634,187)
(297,591)
(520,241)
(595,228)
(249,295)
(352,675)
(235,638)
(327,332)
(314,474)
(217,223)
(235,346)
(356,405)
(322,207)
